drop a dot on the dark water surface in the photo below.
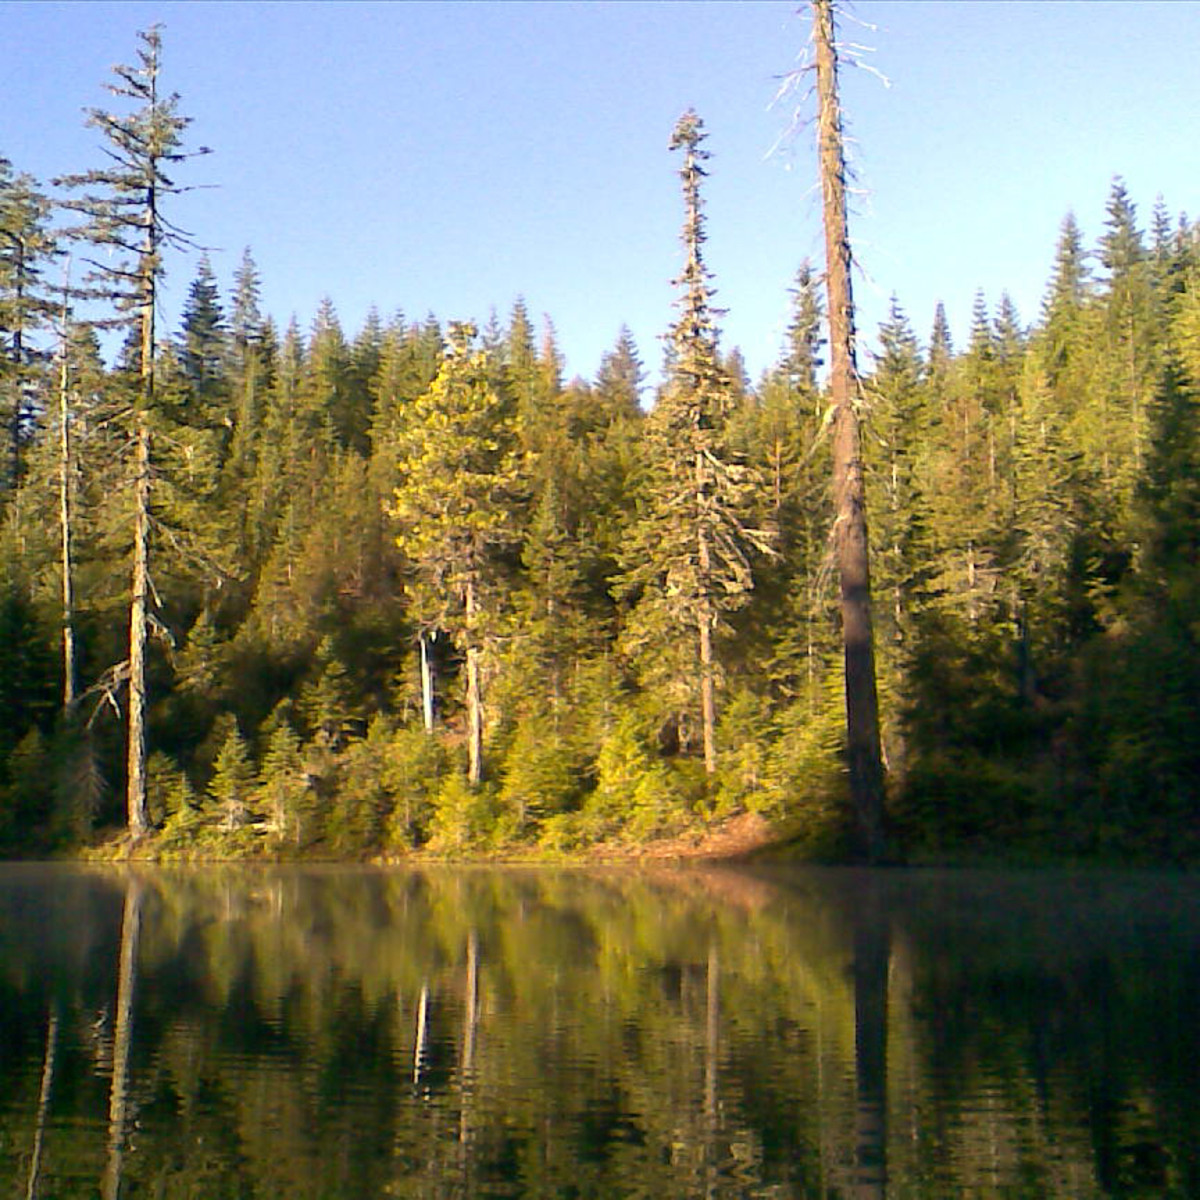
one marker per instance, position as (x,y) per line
(339,1033)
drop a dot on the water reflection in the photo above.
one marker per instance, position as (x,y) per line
(345,1033)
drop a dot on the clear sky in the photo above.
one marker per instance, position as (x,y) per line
(448,157)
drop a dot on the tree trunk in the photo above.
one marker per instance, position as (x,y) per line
(426,683)
(18,361)
(850,520)
(33,1179)
(474,694)
(135,794)
(118,1098)
(420,1048)
(64,520)
(705,622)
(708,698)
(872,960)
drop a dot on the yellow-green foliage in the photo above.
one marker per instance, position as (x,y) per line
(539,779)
(413,768)
(463,816)
(636,791)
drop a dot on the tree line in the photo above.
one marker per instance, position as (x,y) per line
(291,590)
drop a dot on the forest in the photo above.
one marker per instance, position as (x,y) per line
(275,591)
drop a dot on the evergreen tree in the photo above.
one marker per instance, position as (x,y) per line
(941,346)
(283,792)
(122,208)
(1124,375)
(202,339)
(802,358)
(620,378)
(899,421)
(1062,307)
(232,786)
(26,244)
(688,563)
(457,469)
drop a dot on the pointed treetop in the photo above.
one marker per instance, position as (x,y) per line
(941,347)
(689,133)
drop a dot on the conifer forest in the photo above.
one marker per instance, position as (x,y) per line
(294,590)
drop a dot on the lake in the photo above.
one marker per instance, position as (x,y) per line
(354,1032)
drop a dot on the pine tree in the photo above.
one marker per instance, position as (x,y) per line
(1062,307)
(26,245)
(233,784)
(898,426)
(688,563)
(620,378)
(457,466)
(1124,375)
(202,339)
(283,792)
(122,207)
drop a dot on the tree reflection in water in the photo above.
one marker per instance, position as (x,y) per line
(354,1032)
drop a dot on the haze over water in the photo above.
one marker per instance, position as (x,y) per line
(347,1032)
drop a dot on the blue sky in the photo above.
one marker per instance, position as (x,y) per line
(448,157)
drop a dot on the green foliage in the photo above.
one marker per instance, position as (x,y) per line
(284,795)
(540,777)
(327,701)
(27,676)
(463,818)
(609,590)
(232,787)
(414,771)
(23,795)
(361,809)
(636,793)
(747,733)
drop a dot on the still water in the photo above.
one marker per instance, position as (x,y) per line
(340,1033)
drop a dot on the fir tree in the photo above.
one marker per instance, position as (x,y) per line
(202,338)
(26,244)
(122,207)
(233,783)
(689,562)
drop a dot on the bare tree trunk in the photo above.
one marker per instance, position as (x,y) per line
(136,785)
(426,683)
(850,521)
(474,695)
(136,775)
(64,510)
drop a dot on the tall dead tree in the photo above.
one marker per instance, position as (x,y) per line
(65,498)
(850,542)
